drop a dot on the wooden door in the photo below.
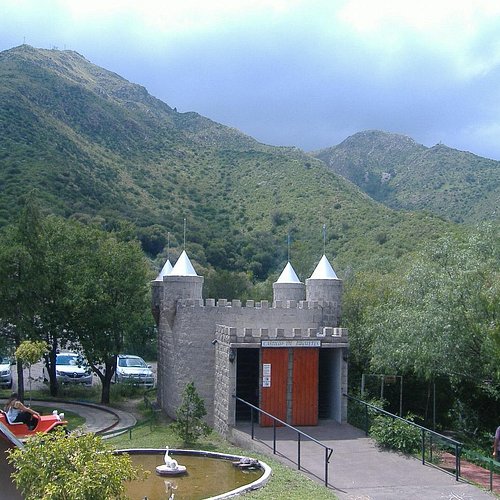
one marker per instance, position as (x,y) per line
(305,386)
(273,389)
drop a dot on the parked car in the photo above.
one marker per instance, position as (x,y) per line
(133,370)
(5,373)
(71,368)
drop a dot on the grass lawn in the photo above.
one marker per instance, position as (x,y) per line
(284,483)
(74,420)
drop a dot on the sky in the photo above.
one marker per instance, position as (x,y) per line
(304,73)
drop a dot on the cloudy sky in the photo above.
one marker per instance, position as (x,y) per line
(307,73)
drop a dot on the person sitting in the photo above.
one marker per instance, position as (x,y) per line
(18,413)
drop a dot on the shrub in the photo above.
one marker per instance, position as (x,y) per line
(57,467)
(189,424)
(396,434)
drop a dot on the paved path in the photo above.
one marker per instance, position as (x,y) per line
(98,418)
(358,470)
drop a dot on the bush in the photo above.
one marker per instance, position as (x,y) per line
(189,424)
(356,412)
(57,467)
(396,434)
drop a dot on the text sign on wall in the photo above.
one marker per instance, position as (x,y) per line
(266,375)
(291,343)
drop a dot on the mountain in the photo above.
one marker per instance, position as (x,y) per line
(102,150)
(397,171)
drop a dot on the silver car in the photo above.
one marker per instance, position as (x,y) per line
(5,373)
(72,369)
(133,370)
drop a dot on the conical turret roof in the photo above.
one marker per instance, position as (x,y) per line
(183,266)
(323,271)
(288,275)
(165,271)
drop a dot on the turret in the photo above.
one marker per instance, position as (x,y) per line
(288,286)
(165,271)
(325,286)
(182,282)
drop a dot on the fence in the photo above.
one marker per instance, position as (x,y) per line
(435,449)
(432,443)
(327,450)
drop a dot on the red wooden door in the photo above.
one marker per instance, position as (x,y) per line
(305,386)
(273,398)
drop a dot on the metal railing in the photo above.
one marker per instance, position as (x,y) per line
(327,450)
(428,436)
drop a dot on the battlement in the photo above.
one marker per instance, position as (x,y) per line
(251,304)
(320,336)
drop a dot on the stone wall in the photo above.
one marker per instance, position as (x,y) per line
(187,328)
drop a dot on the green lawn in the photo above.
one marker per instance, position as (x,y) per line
(74,420)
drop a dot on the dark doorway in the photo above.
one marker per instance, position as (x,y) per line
(325,383)
(247,381)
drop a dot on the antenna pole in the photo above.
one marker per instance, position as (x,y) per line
(168,245)
(288,246)
(324,239)
(184,233)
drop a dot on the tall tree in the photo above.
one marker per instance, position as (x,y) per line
(22,278)
(109,296)
(443,317)
(72,285)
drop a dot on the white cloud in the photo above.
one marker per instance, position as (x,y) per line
(465,33)
(167,17)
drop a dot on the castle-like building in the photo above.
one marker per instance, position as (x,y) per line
(288,357)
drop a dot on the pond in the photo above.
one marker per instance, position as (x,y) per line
(208,475)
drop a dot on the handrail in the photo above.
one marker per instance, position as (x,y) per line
(328,450)
(385,412)
(457,444)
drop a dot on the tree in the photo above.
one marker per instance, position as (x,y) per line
(22,279)
(74,467)
(109,300)
(226,284)
(189,424)
(441,317)
(29,352)
(65,283)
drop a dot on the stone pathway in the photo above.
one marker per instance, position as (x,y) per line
(98,418)
(358,470)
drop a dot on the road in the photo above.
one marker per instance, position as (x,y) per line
(36,380)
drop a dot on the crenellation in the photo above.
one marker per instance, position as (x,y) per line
(209,302)
(250,303)
(222,303)
(236,303)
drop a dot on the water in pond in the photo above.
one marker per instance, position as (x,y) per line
(206,477)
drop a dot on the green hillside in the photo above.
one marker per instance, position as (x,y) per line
(395,170)
(102,150)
